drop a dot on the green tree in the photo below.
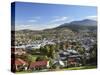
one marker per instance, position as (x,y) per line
(93,54)
(41,58)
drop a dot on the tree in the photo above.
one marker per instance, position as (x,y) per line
(93,54)
(81,50)
(51,52)
(41,58)
(44,50)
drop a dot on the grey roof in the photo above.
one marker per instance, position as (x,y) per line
(72,51)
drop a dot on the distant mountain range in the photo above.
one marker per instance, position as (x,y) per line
(74,26)
(64,30)
(85,24)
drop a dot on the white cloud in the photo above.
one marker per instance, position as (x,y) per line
(48,26)
(56,21)
(32,20)
(92,17)
(35,26)
(59,19)
(31,27)
(36,17)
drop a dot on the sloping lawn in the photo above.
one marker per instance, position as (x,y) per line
(82,67)
(22,72)
(72,68)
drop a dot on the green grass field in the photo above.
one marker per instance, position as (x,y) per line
(33,57)
(80,68)
(73,68)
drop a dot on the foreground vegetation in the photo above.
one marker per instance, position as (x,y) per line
(72,68)
(80,68)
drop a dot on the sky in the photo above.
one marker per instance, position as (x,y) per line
(39,16)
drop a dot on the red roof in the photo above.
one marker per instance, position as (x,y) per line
(38,64)
(71,59)
(20,62)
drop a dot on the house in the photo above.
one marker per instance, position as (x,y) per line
(70,57)
(57,64)
(33,46)
(38,65)
(18,51)
(19,64)
(73,61)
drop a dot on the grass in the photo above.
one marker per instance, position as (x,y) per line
(73,68)
(80,68)
(33,57)
(22,72)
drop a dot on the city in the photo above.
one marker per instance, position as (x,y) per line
(53,37)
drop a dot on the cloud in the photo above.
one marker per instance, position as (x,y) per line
(92,17)
(35,26)
(35,17)
(59,19)
(48,26)
(31,27)
(32,20)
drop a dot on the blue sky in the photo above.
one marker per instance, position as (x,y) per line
(38,16)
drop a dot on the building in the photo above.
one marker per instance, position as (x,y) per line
(18,51)
(19,64)
(70,58)
(38,65)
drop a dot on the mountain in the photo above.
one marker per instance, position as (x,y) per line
(66,28)
(86,25)
(86,22)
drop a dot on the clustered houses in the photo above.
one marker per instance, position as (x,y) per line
(68,58)
(67,55)
(21,65)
